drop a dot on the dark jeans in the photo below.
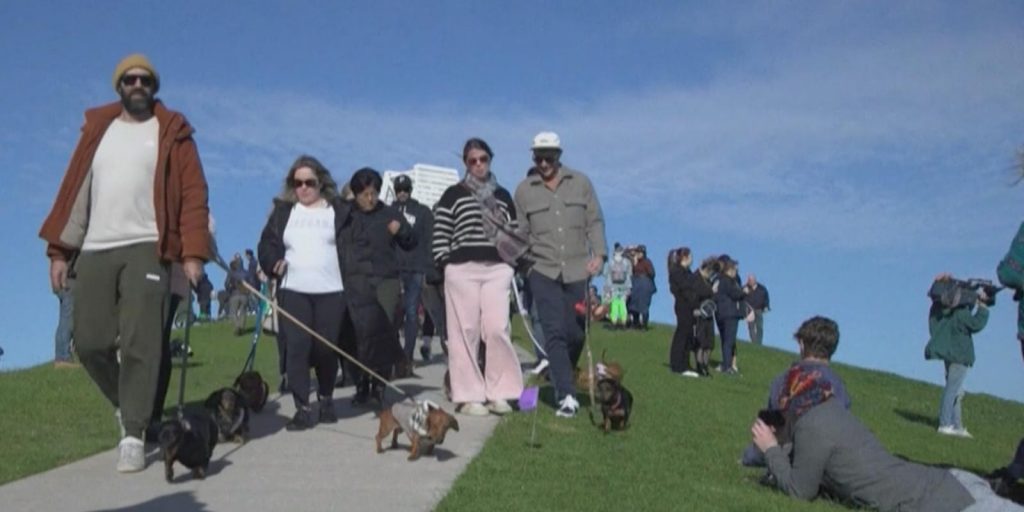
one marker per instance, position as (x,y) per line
(682,342)
(727,328)
(62,339)
(412,289)
(555,301)
(321,312)
(756,328)
(433,303)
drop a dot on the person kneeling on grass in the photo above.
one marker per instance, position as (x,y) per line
(835,453)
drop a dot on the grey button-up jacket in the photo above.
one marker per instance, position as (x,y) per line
(565,225)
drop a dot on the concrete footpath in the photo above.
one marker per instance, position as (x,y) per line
(331,467)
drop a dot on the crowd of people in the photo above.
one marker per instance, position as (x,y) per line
(358,273)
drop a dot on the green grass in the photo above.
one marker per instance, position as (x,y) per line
(50,417)
(680,453)
(682,450)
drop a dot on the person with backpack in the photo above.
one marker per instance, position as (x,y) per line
(618,282)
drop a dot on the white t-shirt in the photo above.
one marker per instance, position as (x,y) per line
(121,210)
(311,251)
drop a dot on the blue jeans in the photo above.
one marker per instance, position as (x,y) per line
(952,396)
(65,326)
(412,288)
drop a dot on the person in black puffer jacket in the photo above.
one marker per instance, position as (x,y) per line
(728,298)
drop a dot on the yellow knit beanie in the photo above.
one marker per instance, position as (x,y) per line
(135,60)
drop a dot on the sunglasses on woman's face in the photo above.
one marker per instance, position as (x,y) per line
(311,183)
(482,160)
(143,80)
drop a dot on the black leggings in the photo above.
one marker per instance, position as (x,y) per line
(682,342)
(321,312)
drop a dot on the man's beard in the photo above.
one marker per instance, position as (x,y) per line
(137,102)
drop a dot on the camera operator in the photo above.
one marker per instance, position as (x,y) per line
(951,325)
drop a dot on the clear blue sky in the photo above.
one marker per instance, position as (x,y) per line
(845,152)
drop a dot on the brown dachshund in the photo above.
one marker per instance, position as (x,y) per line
(426,425)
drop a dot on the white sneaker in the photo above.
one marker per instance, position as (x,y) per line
(475,409)
(131,456)
(962,432)
(539,367)
(499,407)
(690,373)
(568,407)
(948,430)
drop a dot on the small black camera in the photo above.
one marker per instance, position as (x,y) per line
(772,417)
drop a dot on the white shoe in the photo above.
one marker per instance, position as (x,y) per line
(690,373)
(131,456)
(539,367)
(962,432)
(568,407)
(499,407)
(948,430)
(475,409)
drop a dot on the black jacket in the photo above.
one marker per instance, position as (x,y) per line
(417,259)
(271,247)
(728,298)
(758,298)
(689,290)
(368,247)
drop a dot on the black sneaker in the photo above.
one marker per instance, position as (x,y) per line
(300,421)
(425,353)
(327,414)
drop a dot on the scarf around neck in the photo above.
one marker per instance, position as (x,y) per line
(805,387)
(511,243)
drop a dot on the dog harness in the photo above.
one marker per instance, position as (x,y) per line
(418,419)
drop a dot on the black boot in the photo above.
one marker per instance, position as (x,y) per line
(327,410)
(377,391)
(301,420)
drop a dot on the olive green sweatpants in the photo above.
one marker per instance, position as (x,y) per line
(122,297)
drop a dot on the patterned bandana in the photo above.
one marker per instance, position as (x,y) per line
(805,388)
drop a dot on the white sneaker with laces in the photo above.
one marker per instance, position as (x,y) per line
(568,407)
(948,430)
(131,456)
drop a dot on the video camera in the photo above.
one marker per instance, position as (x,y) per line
(954,293)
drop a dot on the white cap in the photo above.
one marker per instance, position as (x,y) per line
(547,140)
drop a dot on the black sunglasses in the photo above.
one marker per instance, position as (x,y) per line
(545,158)
(311,183)
(144,80)
(473,161)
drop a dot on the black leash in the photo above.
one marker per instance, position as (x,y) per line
(184,354)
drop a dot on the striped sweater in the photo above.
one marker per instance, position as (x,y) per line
(458,227)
